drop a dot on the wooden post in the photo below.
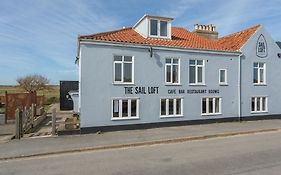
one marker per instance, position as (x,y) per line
(18,116)
(6,107)
(33,112)
(54,121)
(21,123)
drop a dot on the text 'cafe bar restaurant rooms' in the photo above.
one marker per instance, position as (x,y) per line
(154,74)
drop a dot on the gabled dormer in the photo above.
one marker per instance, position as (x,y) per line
(154,27)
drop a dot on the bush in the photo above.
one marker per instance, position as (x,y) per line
(50,100)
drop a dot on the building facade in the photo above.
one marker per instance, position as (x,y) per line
(155,74)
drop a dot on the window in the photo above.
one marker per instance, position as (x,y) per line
(172,71)
(196,72)
(125,108)
(259,73)
(258,104)
(211,105)
(158,28)
(171,107)
(123,69)
(223,77)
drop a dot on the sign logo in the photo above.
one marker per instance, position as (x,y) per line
(261,47)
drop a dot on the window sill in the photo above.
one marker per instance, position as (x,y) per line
(158,37)
(197,84)
(125,118)
(258,112)
(256,84)
(123,84)
(171,84)
(211,114)
(223,84)
(171,116)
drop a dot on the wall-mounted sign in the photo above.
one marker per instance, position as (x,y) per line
(261,47)
(141,90)
(193,91)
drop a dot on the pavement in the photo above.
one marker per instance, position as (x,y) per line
(7,132)
(41,146)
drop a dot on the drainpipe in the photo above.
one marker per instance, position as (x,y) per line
(239,87)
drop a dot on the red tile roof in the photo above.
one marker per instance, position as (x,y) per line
(181,38)
(236,41)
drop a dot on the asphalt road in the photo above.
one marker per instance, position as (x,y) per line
(248,154)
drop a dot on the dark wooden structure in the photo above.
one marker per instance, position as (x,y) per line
(66,102)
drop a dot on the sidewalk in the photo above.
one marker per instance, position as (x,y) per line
(60,144)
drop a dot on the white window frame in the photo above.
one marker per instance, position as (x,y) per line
(214,107)
(122,69)
(259,76)
(196,72)
(174,107)
(255,103)
(179,71)
(120,100)
(225,76)
(158,28)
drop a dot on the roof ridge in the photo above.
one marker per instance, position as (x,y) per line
(232,34)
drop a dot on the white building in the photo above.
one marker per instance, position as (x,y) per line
(154,74)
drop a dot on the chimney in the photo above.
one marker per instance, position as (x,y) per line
(207,31)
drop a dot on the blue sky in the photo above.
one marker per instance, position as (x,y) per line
(39,36)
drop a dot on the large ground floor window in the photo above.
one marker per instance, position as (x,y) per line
(258,104)
(127,108)
(211,105)
(171,107)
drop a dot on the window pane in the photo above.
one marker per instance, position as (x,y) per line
(115,108)
(253,104)
(168,60)
(117,58)
(178,106)
(163,28)
(163,106)
(258,104)
(199,74)
(127,72)
(261,65)
(153,27)
(256,65)
(171,107)
(263,104)
(217,105)
(127,58)
(191,62)
(222,76)
(124,108)
(175,74)
(199,62)
(133,108)
(204,106)
(168,73)
(211,105)
(175,61)
(261,76)
(191,74)
(118,73)
(255,75)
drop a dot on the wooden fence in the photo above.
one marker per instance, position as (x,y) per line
(28,119)
(19,100)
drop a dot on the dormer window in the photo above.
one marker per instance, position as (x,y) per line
(158,28)
(154,27)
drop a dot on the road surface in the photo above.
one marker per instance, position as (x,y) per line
(251,154)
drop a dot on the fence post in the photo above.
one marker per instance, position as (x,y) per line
(33,112)
(54,121)
(18,123)
(6,107)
